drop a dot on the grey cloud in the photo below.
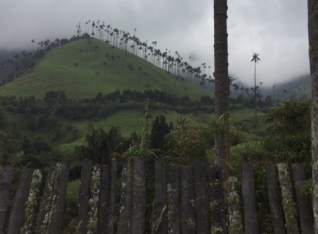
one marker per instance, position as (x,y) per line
(275,29)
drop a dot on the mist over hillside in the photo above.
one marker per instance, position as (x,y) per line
(173,62)
(296,88)
(7,54)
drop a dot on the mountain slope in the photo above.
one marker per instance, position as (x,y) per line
(82,69)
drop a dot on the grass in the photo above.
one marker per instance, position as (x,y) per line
(95,73)
(245,114)
(72,190)
(127,121)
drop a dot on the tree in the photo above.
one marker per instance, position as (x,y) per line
(33,41)
(313,57)
(255,59)
(221,92)
(158,132)
(97,147)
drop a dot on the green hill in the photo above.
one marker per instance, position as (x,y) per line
(82,69)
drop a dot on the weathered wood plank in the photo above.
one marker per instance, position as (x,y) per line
(93,202)
(6,176)
(50,217)
(249,199)
(124,220)
(201,198)
(59,195)
(304,206)
(289,205)
(159,222)
(112,196)
(275,201)
(138,218)
(17,216)
(187,201)
(235,225)
(217,201)
(84,196)
(33,203)
(173,214)
(103,199)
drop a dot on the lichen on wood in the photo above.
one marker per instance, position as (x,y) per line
(31,205)
(289,205)
(92,223)
(233,202)
(50,205)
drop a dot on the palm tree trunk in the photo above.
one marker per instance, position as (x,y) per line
(255,103)
(221,92)
(313,56)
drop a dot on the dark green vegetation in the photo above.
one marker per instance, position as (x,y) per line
(49,95)
(88,99)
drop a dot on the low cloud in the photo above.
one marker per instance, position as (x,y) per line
(274,29)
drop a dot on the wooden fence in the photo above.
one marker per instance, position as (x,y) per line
(187,199)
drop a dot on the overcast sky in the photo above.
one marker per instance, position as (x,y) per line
(276,29)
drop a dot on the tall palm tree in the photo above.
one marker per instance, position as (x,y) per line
(221,92)
(93,26)
(255,59)
(313,58)
(33,41)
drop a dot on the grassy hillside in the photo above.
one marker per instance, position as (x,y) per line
(128,121)
(82,69)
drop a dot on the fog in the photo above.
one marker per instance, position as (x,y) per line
(276,30)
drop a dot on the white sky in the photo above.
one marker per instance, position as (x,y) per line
(276,29)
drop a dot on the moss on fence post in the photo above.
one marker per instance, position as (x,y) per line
(32,204)
(93,201)
(50,207)
(289,205)
(50,216)
(233,204)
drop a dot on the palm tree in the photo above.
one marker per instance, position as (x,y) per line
(78,31)
(255,59)
(222,81)
(33,41)
(236,87)
(313,57)
(93,26)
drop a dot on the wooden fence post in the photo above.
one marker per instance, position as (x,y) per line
(305,210)
(249,200)
(187,201)
(124,219)
(6,176)
(138,218)
(233,209)
(112,196)
(289,205)
(33,202)
(217,202)
(84,196)
(103,199)
(275,202)
(17,216)
(93,202)
(50,217)
(201,198)
(159,222)
(172,181)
